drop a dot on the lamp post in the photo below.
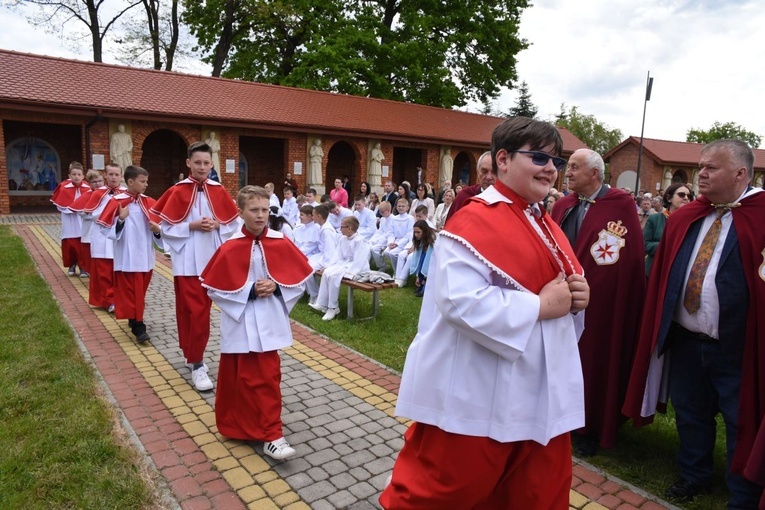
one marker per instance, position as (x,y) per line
(648,86)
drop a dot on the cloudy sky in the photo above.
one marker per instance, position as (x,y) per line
(706,57)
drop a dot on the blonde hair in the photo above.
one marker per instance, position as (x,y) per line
(249,192)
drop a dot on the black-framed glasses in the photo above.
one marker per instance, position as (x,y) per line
(683,194)
(540,158)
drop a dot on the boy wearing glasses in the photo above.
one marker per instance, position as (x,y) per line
(492,380)
(601,224)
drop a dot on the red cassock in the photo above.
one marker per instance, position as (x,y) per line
(614,266)
(749,458)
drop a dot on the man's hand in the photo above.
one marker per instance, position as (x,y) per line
(265,288)
(580,292)
(123,213)
(554,299)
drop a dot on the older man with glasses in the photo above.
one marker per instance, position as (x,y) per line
(601,224)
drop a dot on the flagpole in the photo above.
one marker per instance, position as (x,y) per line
(648,87)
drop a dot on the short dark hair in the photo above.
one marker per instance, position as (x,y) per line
(133,171)
(75,164)
(199,147)
(671,193)
(322,210)
(516,132)
(421,209)
(306,209)
(361,197)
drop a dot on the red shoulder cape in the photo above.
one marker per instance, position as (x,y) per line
(465,193)
(65,193)
(81,201)
(613,316)
(516,252)
(111,211)
(94,199)
(229,267)
(749,457)
(175,204)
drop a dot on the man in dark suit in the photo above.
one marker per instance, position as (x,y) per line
(703,323)
(390,195)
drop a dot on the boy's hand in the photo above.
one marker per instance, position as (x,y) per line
(554,299)
(580,292)
(154,227)
(392,245)
(265,288)
(123,213)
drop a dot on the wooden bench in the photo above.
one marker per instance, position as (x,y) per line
(364,287)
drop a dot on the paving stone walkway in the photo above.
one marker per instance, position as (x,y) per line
(338,409)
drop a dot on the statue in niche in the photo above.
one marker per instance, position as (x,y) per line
(120,149)
(447,166)
(214,144)
(317,154)
(375,166)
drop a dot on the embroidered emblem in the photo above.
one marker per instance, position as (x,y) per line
(605,251)
(761,270)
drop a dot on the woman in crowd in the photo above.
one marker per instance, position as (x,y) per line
(280,223)
(423,240)
(676,196)
(443,209)
(365,189)
(373,201)
(405,192)
(423,199)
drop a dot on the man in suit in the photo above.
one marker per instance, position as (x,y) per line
(390,195)
(700,322)
(601,224)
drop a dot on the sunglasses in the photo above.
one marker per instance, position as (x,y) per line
(683,194)
(541,158)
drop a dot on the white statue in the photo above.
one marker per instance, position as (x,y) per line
(214,144)
(314,173)
(447,165)
(758,181)
(121,147)
(375,166)
(695,182)
(667,179)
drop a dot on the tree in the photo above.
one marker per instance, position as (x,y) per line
(595,134)
(154,34)
(54,16)
(523,105)
(720,131)
(434,52)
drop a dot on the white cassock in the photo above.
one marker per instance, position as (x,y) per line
(401,227)
(134,243)
(325,255)
(379,241)
(307,238)
(336,219)
(538,360)
(367,223)
(351,258)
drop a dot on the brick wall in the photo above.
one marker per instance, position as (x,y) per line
(5,203)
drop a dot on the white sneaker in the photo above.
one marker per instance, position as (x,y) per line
(72,271)
(312,300)
(110,309)
(401,283)
(279,449)
(331,314)
(318,307)
(200,379)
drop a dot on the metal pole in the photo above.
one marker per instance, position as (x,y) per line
(648,87)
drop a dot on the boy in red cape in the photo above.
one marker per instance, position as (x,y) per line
(127,221)
(197,215)
(71,224)
(255,278)
(95,181)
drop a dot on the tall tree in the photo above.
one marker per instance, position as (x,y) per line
(595,134)
(524,107)
(154,33)
(435,52)
(720,131)
(55,15)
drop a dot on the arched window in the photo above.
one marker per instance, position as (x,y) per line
(33,166)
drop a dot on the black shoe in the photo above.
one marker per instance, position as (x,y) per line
(143,338)
(131,323)
(683,490)
(584,445)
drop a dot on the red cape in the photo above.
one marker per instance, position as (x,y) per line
(613,315)
(229,267)
(518,247)
(65,193)
(94,199)
(466,193)
(749,457)
(112,209)
(175,204)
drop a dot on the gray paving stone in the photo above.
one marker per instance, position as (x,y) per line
(358,459)
(339,425)
(355,432)
(388,434)
(322,504)
(342,499)
(295,407)
(396,443)
(316,401)
(321,457)
(319,392)
(320,431)
(374,439)
(360,419)
(319,409)
(293,417)
(345,412)
(335,467)
(359,443)
(381,465)
(372,427)
(366,408)
(359,473)
(381,450)
(361,505)
(362,490)
(317,474)
(294,466)
(338,438)
(323,419)
(343,449)
(353,401)
(343,480)
(317,491)
(319,443)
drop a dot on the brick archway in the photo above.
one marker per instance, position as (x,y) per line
(343,158)
(163,154)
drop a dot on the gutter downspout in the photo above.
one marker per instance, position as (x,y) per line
(90,124)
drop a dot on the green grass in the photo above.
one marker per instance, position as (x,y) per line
(644,457)
(58,444)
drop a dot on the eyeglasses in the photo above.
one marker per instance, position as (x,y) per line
(683,194)
(541,158)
